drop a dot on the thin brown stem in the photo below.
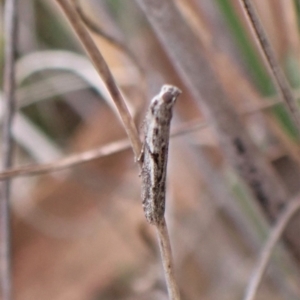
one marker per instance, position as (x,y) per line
(69,161)
(104,73)
(89,155)
(291,210)
(107,77)
(94,27)
(268,54)
(10,30)
(109,149)
(166,255)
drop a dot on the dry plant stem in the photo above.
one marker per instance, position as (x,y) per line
(89,155)
(104,73)
(10,18)
(165,250)
(70,161)
(98,30)
(291,210)
(268,54)
(109,149)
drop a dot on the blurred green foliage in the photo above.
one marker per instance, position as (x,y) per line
(50,31)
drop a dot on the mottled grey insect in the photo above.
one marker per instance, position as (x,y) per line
(155,153)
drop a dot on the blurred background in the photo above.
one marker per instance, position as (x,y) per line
(80,233)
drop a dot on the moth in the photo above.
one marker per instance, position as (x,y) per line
(154,156)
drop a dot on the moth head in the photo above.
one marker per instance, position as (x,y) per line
(169,93)
(166,98)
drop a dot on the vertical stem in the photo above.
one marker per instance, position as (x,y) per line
(129,125)
(10,17)
(271,62)
(166,255)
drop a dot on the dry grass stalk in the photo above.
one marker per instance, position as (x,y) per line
(10,35)
(127,120)
(74,160)
(165,250)
(291,210)
(89,155)
(268,54)
(95,28)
